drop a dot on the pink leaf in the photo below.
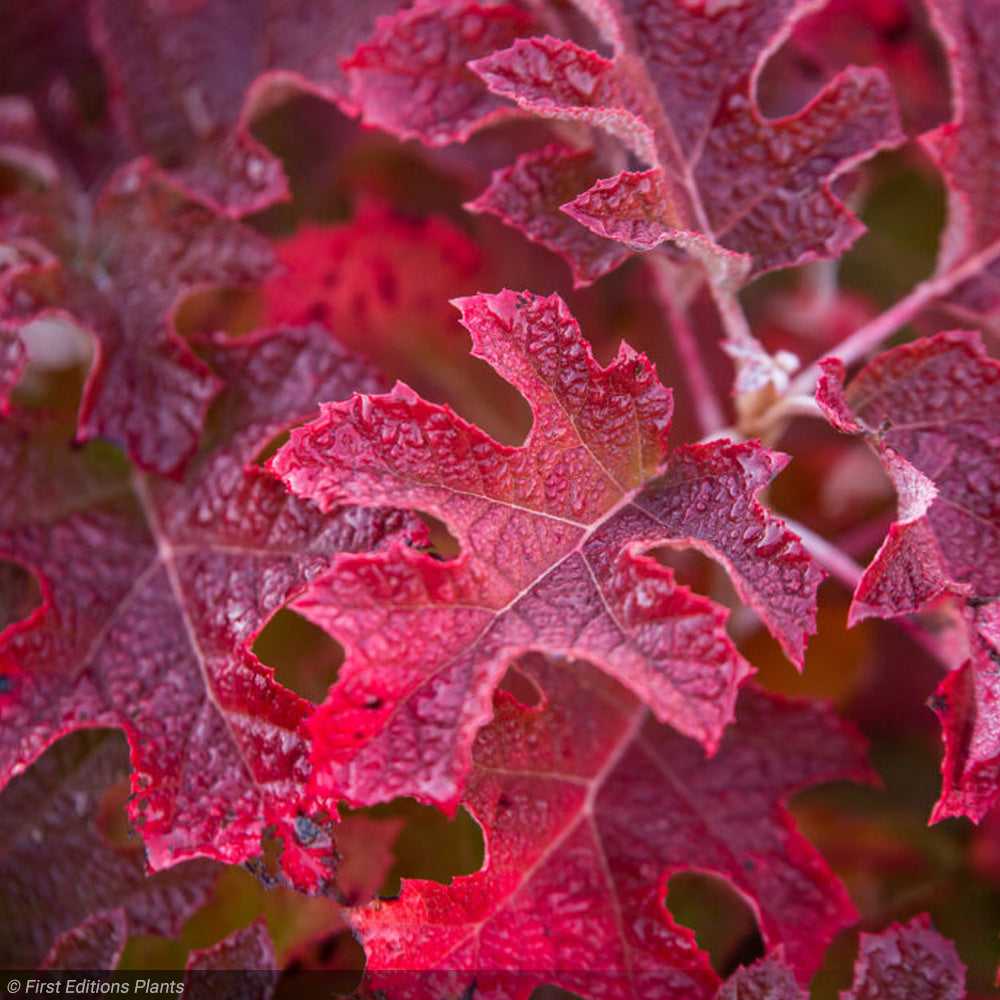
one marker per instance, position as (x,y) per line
(588,808)
(553,536)
(931,411)
(154,593)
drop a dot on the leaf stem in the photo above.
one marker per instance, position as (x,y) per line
(883,326)
(708,408)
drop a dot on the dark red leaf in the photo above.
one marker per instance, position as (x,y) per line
(411,78)
(552,535)
(967,150)
(679,93)
(767,979)
(240,967)
(187,78)
(95,944)
(529,196)
(121,276)
(909,960)
(154,593)
(931,410)
(968,706)
(588,807)
(60,877)
(892,34)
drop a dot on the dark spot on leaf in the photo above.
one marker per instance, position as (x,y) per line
(308,833)
(6,685)
(373,703)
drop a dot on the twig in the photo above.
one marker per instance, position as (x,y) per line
(883,326)
(708,409)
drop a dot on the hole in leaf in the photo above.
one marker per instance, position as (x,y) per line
(443,544)
(235,311)
(522,686)
(429,844)
(723,923)
(59,356)
(20,593)
(698,572)
(305,659)
(550,992)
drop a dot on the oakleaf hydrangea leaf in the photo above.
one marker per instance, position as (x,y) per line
(553,538)
(588,808)
(154,592)
(931,410)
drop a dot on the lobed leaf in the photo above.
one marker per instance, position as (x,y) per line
(411,78)
(67,894)
(911,960)
(553,536)
(588,808)
(965,149)
(966,703)
(154,592)
(931,410)
(188,78)
(121,276)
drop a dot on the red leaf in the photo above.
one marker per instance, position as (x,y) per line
(553,536)
(589,807)
(187,77)
(154,593)
(679,92)
(966,148)
(968,705)
(95,944)
(529,196)
(240,967)
(931,410)
(411,78)
(768,979)
(909,960)
(49,839)
(121,280)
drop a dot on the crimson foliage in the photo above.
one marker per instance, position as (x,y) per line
(458,669)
